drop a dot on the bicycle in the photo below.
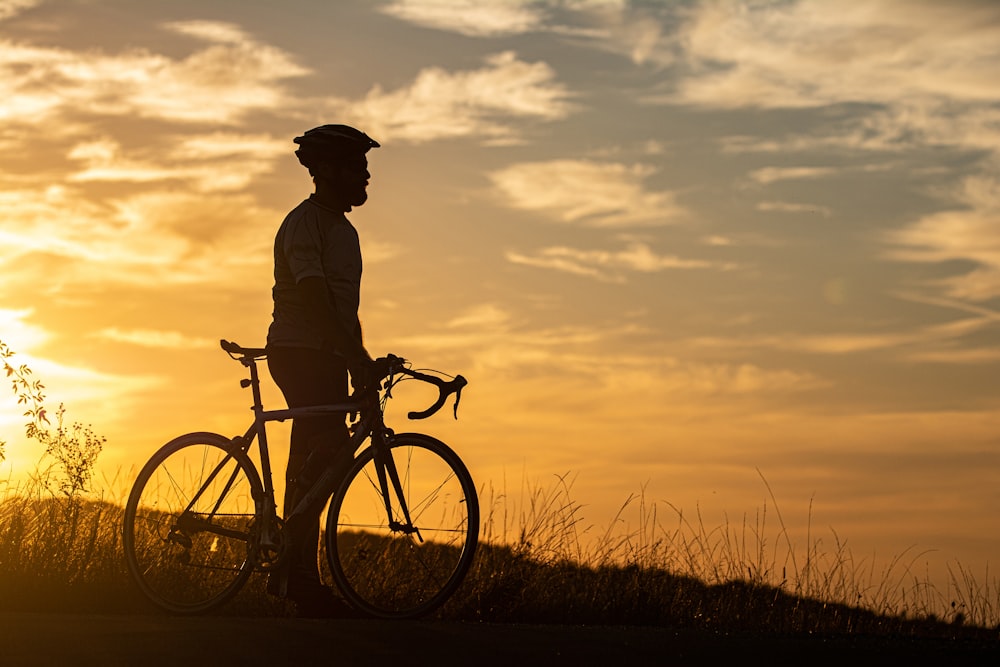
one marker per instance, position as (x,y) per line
(401,528)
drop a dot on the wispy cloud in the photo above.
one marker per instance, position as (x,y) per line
(768,175)
(600,194)
(152,238)
(608,265)
(923,71)
(474,18)
(971,356)
(498,346)
(220,84)
(791,207)
(474,103)
(173,340)
(99,396)
(18,332)
(10,8)
(211,31)
(911,343)
(968,233)
(216,162)
(634,30)
(768,55)
(487,315)
(918,75)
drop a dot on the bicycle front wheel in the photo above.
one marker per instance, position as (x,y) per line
(188,523)
(402,530)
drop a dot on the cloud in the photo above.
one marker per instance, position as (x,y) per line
(100,397)
(173,340)
(219,84)
(912,344)
(972,356)
(599,194)
(473,18)
(211,31)
(768,175)
(228,145)
(609,265)
(801,54)
(918,74)
(498,347)
(474,103)
(617,26)
(967,234)
(747,378)
(789,207)
(487,315)
(153,238)
(377,251)
(11,8)
(18,333)
(215,162)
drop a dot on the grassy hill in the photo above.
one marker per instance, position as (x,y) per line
(64,555)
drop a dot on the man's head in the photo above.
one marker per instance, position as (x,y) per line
(335,158)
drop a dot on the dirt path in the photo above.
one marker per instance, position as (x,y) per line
(109,641)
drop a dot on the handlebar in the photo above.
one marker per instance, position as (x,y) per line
(387,367)
(445,387)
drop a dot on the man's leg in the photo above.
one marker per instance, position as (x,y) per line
(308,377)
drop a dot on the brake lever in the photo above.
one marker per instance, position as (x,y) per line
(458,393)
(455,386)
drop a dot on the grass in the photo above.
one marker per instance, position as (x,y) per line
(540,563)
(672,570)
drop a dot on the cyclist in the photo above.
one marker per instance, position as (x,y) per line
(314,340)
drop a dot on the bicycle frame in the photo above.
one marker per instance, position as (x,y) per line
(370,424)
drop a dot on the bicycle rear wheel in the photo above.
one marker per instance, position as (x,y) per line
(188,523)
(385,564)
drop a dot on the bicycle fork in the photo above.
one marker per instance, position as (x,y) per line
(385,467)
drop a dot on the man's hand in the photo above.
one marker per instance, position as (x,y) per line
(363,373)
(367,373)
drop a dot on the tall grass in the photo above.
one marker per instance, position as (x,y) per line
(654,563)
(539,561)
(59,552)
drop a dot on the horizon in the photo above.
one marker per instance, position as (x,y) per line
(695,251)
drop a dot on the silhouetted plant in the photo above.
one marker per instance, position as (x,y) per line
(74,448)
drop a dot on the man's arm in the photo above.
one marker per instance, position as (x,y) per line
(333,324)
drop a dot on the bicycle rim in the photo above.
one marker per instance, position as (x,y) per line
(188,522)
(385,566)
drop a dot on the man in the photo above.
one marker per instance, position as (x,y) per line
(315,338)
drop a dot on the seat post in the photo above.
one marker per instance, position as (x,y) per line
(258,404)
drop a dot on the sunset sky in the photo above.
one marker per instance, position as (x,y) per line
(669,244)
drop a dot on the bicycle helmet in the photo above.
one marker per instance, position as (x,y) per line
(332,143)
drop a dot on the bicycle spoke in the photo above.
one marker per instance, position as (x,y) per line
(412,569)
(188,524)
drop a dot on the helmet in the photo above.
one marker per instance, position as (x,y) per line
(332,143)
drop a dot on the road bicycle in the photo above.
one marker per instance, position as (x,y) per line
(401,527)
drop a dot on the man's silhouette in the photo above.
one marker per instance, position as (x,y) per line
(315,338)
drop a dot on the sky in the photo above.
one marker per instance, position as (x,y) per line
(701,252)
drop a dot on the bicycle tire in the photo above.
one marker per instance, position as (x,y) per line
(173,548)
(385,572)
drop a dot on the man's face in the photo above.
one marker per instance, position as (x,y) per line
(348,179)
